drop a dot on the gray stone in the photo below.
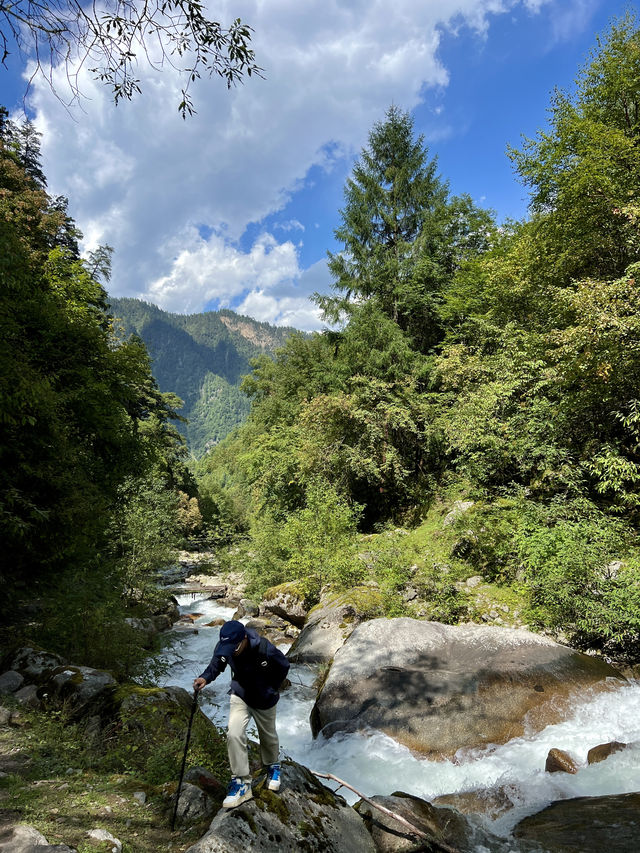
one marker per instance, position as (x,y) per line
(5,716)
(27,839)
(586,825)
(34,664)
(332,621)
(304,815)
(440,825)
(140,797)
(10,682)
(286,601)
(457,511)
(437,688)
(81,686)
(194,804)
(246,607)
(103,835)
(28,696)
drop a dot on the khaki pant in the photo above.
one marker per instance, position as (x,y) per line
(239,716)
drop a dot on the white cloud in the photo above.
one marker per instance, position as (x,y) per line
(142,180)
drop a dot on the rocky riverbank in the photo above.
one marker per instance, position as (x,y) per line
(91,763)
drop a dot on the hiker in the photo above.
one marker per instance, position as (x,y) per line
(258,670)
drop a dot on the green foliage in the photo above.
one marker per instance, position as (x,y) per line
(580,577)
(314,545)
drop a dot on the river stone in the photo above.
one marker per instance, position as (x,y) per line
(586,825)
(331,621)
(441,825)
(286,601)
(559,761)
(10,682)
(604,750)
(437,688)
(304,815)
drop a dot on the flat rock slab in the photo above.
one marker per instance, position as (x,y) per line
(586,825)
(438,688)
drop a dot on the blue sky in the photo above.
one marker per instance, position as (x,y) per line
(236,207)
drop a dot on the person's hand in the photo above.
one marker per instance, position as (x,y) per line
(199,683)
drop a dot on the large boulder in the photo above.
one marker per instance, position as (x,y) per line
(332,620)
(34,664)
(437,688)
(82,687)
(444,828)
(304,815)
(586,825)
(286,601)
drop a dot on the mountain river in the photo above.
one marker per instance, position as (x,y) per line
(375,764)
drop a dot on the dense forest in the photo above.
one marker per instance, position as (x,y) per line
(491,363)
(202,358)
(492,367)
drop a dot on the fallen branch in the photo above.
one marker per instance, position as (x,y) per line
(439,845)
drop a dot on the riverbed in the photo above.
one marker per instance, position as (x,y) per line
(375,764)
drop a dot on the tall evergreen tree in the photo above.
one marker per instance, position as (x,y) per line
(403,237)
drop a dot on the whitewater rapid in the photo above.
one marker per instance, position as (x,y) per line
(375,764)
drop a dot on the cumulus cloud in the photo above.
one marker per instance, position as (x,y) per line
(151,185)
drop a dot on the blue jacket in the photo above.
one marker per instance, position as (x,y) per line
(256,677)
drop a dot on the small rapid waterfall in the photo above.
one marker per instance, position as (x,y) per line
(376,764)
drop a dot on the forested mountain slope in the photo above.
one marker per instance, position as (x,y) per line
(201,358)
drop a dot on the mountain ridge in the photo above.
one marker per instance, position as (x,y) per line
(202,358)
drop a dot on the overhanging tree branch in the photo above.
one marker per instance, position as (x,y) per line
(112,39)
(413,829)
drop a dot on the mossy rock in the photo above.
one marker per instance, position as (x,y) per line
(332,621)
(149,729)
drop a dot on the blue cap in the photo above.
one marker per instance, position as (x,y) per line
(231,635)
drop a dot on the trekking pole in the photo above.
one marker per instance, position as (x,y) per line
(194,705)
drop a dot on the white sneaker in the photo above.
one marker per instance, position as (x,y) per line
(238,792)
(273,777)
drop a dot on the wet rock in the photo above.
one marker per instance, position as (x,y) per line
(586,825)
(437,688)
(492,802)
(286,601)
(604,750)
(194,805)
(303,816)
(559,761)
(10,682)
(331,621)
(441,825)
